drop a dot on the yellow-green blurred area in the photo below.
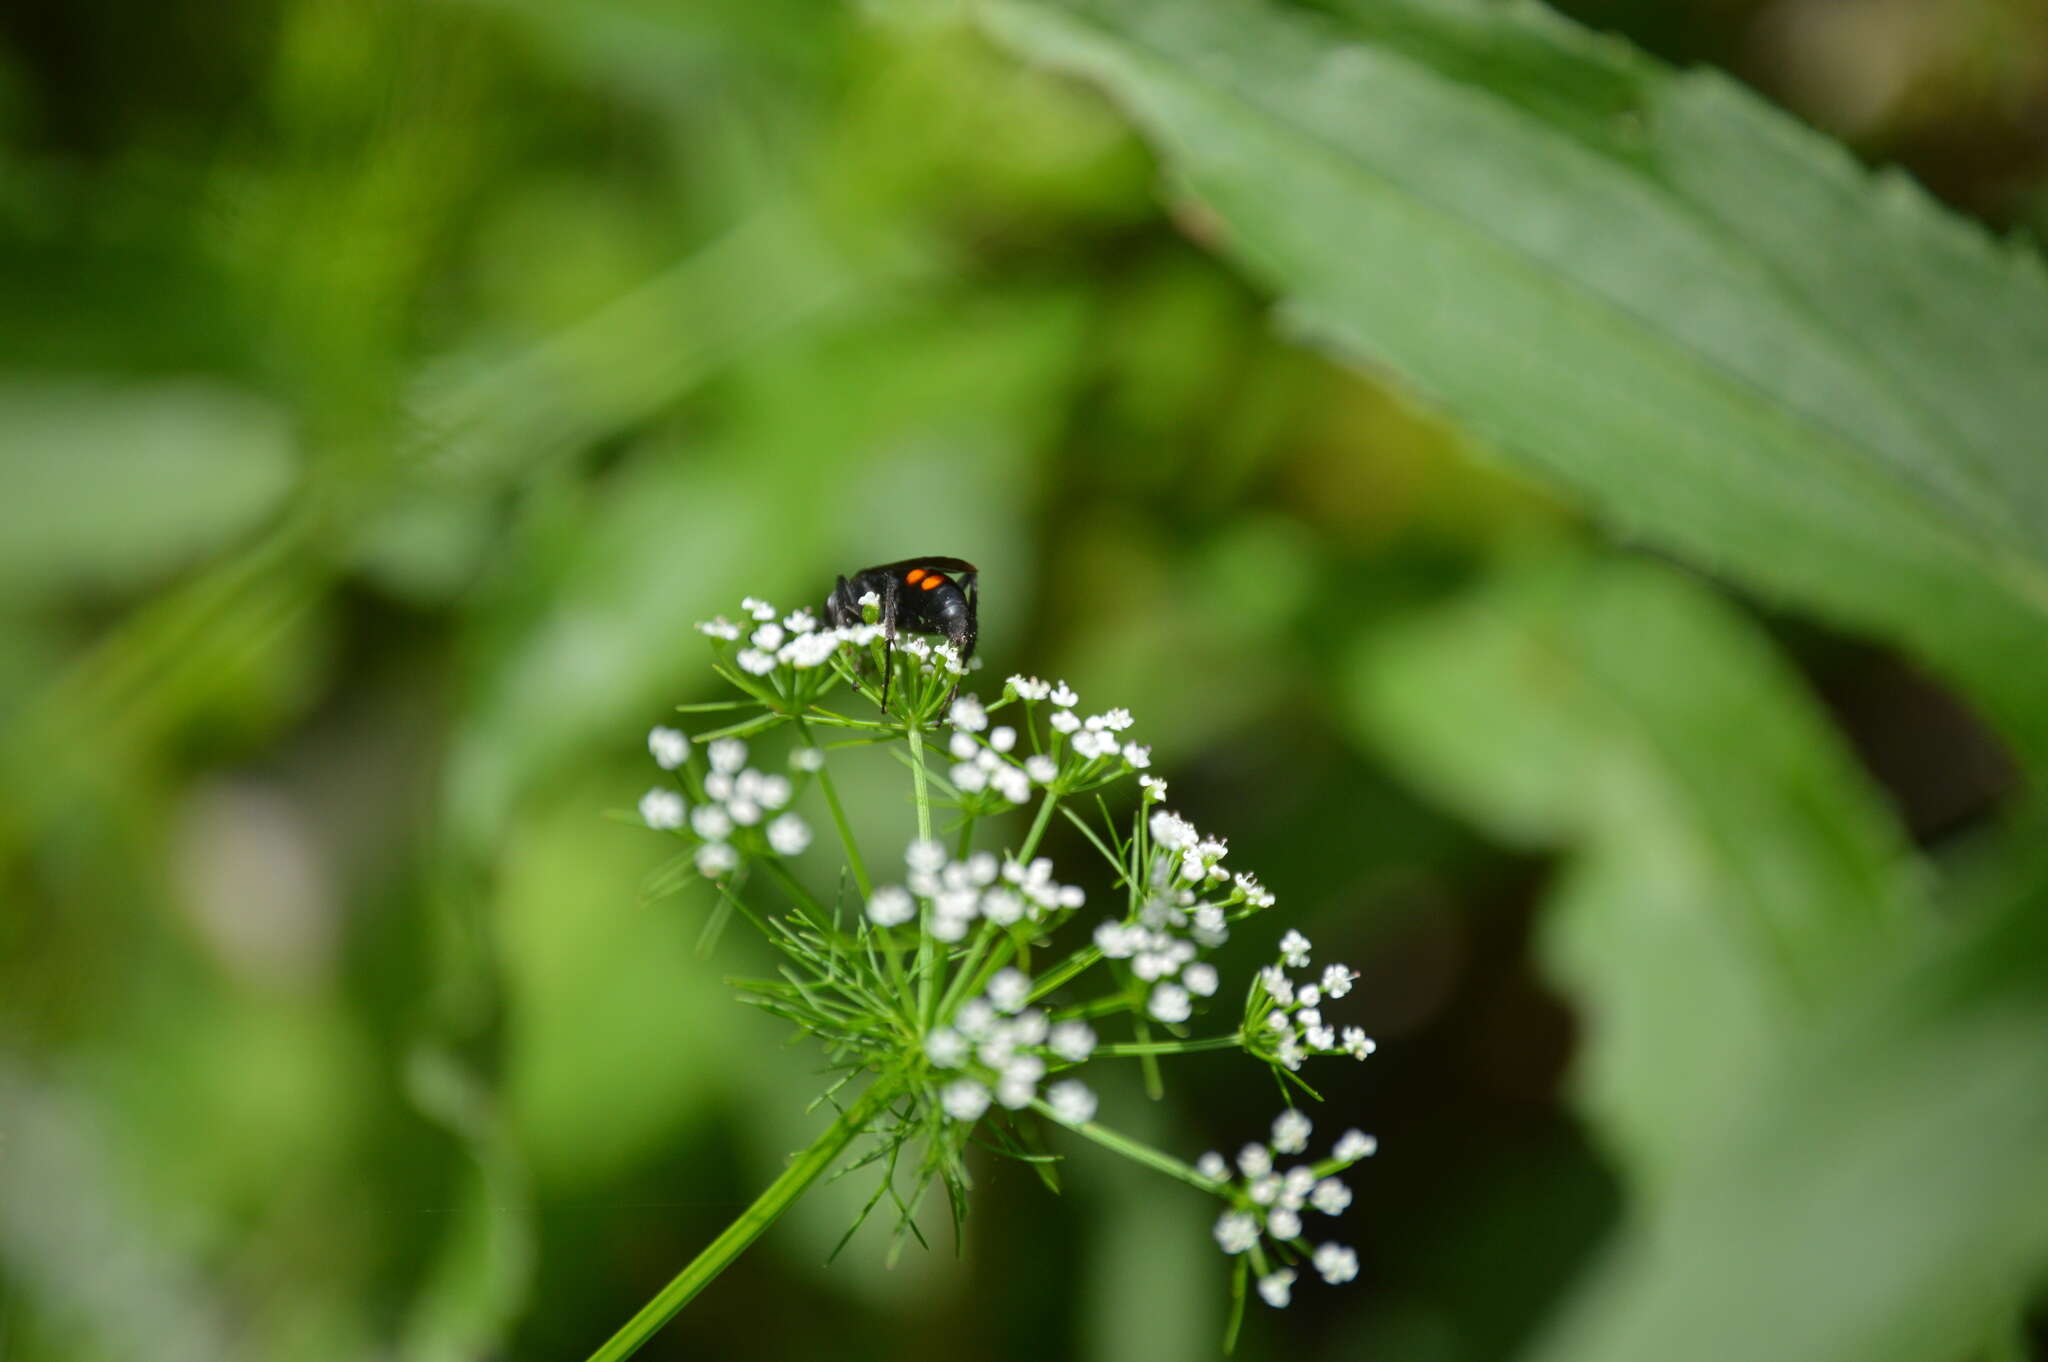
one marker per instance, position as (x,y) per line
(386,388)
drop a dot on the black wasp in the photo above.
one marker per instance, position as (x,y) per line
(919,596)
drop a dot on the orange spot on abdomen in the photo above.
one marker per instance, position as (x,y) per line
(914,576)
(931,581)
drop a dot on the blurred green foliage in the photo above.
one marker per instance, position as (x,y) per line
(388,387)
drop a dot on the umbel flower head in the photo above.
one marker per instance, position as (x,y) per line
(964,989)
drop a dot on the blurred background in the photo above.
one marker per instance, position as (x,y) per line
(384,390)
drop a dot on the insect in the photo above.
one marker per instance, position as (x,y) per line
(919,596)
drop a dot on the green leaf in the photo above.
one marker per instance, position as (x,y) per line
(1879,1197)
(1732,877)
(1650,287)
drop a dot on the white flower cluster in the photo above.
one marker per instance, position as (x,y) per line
(1268,1203)
(1296,1018)
(796,641)
(735,796)
(1002,892)
(984,762)
(1001,1046)
(1093,738)
(1175,923)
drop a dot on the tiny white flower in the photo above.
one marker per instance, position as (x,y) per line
(1118,941)
(1071,1102)
(1154,788)
(1200,979)
(1138,757)
(1169,1003)
(968,777)
(1095,745)
(772,792)
(661,810)
(1264,1190)
(1294,948)
(1063,697)
(1357,1043)
(1002,738)
(745,812)
(964,1099)
(1019,1081)
(1276,1288)
(925,856)
(807,759)
(949,927)
(768,637)
(800,622)
(789,835)
(1212,1167)
(1027,687)
(1071,896)
(962,746)
(1290,1132)
(1282,1223)
(756,662)
(1042,769)
(891,906)
(976,1020)
(1172,831)
(1011,783)
(715,858)
(1354,1145)
(1279,987)
(1320,1037)
(1009,990)
(1305,1016)
(1289,1053)
(671,747)
(1002,907)
(1309,996)
(718,785)
(1236,1231)
(945,1047)
(759,609)
(719,628)
(727,755)
(1072,1041)
(1331,1197)
(1255,1160)
(710,822)
(968,714)
(1276,1020)
(1336,1263)
(1337,980)
(868,599)
(1295,1187)
(1064,720)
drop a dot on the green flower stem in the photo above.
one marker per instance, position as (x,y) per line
(767,1208)
(927,966)
(1126,1049)
(853,860)
(1080,960)
(1038,826)
(1138,1152)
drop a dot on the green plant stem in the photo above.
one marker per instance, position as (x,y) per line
(767,1208)
(1126,1049)
(1157,1160)
(1038,826)
(927,966)
(853,860)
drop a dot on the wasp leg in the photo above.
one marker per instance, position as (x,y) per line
(888,637)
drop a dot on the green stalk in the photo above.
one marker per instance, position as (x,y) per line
(927,946)
(1157,1160)
(1126,1049)
(853,860)
(767,1208)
